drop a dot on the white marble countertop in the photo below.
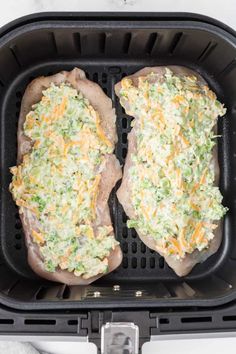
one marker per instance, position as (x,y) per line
(224,11)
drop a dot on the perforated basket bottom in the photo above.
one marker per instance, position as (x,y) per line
(139,262)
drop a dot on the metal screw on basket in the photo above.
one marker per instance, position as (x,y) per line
(122,3)
(96,294)
(138,293)
(116,287)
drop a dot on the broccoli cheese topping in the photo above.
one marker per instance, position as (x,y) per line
(172,174)
(58,181)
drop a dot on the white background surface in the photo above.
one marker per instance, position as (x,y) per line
(223,10)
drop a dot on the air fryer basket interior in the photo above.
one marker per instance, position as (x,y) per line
(108,51)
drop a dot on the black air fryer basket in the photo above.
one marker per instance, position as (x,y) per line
(143,290)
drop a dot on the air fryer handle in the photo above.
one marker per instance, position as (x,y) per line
(120,337)
(114,331)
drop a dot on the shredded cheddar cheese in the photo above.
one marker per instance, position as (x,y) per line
(172,174)
(58,182)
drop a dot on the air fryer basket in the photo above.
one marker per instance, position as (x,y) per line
(108,49)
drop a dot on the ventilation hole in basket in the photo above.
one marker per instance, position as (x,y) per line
(126,43)
(72,322)
(124,152)
(123,75)
(196,319)
(227,69)
(207,51)
(18,225)
(53,41)
(152,262)
(125,247)
(18,246)
(134,247)
(95,77)
(13,50)
(143,263)
(105,90)
(124,123)
(40,322)
(124,138)
(125,262)
(124,232)
(161,262)
(66,293)
(123,110)
(143,248)
(104,78)
(18,94)
(134,262)
(151,42)
(164,321)
(102,42)
(18,236)
(6,321)
(41,294)
(124,218)
(77,41)
(134,233)
(152,251)
(175,42)
(229,318)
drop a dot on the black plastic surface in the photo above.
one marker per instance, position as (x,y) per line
(182,323)
(108,50)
